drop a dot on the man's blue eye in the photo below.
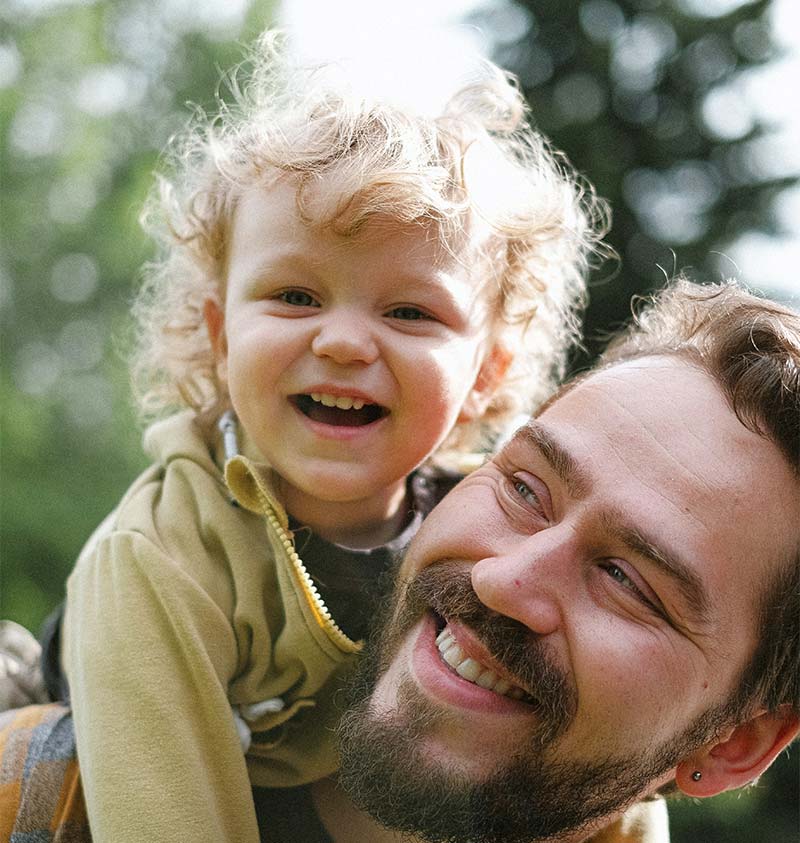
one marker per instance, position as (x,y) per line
(408,313)
(526,493)
(298,298)
(616,573)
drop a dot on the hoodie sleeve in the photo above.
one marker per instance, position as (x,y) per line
(149,655)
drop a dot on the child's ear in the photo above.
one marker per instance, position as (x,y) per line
(738,756)
(490,376)
(215,323)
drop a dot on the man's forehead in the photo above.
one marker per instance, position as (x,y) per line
(662,393)
(669,413)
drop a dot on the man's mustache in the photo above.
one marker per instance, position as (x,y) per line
(447,589)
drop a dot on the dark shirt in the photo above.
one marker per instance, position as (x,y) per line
(287,815)
(351,580)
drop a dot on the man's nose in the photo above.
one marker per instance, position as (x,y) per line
(530,580)
(345,337)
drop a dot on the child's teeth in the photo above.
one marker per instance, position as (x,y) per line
(342,402)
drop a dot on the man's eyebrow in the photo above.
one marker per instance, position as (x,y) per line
(688,580)
(565,466)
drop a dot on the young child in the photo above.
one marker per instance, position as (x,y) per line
(347,291)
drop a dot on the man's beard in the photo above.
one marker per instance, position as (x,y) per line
(530,796)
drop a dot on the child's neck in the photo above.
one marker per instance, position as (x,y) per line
(359,524)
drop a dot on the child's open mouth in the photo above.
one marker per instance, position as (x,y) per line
(338,410)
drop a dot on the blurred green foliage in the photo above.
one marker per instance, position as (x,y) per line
(648,99)
(89,94)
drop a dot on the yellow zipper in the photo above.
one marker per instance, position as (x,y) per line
(318,608)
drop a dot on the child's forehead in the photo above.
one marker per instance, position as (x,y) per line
(276,235)
(355,221)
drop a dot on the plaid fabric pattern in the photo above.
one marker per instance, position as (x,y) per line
(41,798)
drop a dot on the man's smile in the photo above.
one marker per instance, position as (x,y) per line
(470,657)
(473,670)
(439,677)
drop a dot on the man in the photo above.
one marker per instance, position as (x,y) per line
(606,611)
(609,607)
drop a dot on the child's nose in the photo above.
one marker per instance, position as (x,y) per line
(345,338)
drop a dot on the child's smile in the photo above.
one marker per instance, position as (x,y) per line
(348,359)
(338,410)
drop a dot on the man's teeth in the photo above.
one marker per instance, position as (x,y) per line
(340,401)
(472,670)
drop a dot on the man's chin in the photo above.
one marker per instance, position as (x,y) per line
(427,753)
(399,768)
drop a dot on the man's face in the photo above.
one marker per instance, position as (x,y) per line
(574,613)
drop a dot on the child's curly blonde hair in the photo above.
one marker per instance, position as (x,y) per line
(477,160)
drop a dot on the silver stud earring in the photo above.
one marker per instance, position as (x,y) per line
(696,776)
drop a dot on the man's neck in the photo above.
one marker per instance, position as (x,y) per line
(347,824)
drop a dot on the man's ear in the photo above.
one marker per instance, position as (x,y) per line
(738,756)
(490,376)
(214,316)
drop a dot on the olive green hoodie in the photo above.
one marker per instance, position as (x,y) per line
(181,605)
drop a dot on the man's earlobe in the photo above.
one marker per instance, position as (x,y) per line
(738,756)
(214,316)
(490,376)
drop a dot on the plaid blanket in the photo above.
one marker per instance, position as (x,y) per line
(41,798)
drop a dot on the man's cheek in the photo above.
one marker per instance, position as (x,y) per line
(383,701)
(453,531)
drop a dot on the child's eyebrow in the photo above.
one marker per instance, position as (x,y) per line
(434,280)
(280,260)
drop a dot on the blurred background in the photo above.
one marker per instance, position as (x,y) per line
(681,112)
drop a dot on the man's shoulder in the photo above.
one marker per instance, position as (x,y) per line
(645,822)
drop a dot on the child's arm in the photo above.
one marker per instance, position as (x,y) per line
(149,655)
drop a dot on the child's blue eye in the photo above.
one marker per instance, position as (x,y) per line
(298,298)
(408,313)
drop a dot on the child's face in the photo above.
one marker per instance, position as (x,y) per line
(383,324)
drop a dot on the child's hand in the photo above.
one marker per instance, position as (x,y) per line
(21,681)
(243,714)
